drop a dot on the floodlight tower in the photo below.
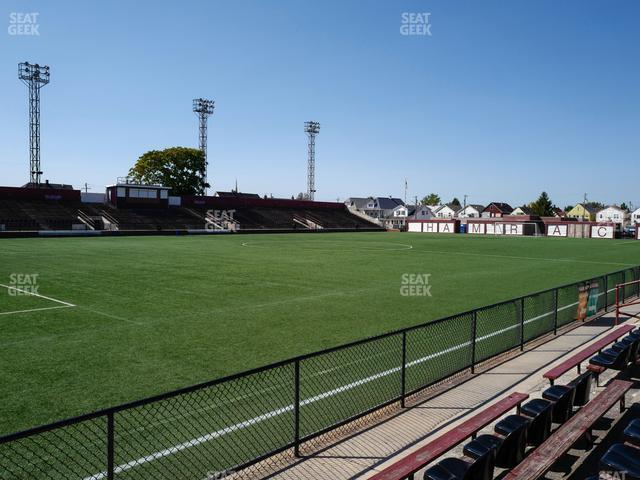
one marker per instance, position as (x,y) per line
(203,108)
(35,77)
(312,129)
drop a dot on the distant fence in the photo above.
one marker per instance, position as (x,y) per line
(209,430)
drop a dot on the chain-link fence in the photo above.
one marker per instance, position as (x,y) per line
(211,430)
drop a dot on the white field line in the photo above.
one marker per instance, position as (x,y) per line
(274,413)
(26,292)
(36,309)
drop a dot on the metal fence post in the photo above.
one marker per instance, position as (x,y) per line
(403,375)
(110,447)
(474,335)
(606,293)
(296,408)
(522,324)
(555,311)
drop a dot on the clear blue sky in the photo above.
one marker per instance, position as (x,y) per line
(503,100)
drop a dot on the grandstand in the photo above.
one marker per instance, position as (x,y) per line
(63,210)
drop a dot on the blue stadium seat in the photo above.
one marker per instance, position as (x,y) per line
(622,458)
(457,469)
(510,449)
(486,450)
(582,385)
(613,358)
(540,411)
(632,432)
(562,396)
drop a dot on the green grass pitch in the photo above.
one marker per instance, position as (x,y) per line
(118,319)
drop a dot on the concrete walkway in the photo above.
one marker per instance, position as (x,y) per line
(375,447)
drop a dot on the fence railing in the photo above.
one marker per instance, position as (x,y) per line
(208,430)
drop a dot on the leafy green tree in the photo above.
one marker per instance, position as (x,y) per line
(624,207)
(432,199)
(456,202)
(568,207)
(179,168)
(543,206)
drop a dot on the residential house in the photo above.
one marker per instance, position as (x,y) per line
(524,210)
(422,212)
(583,212)
(398,217)
(635,216)
(559,213)
(497,209)
(375,207)
(448,210)
(357,203)
(470,211)
(613,214)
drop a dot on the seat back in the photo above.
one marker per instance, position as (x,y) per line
(481,468)
(511,452)
(583,389)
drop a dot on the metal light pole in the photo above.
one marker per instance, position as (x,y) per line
(312,129)
(203,108)
(35,77)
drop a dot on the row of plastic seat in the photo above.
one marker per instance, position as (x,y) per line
(506,447)
(621,457)
(622,460)
(620,354)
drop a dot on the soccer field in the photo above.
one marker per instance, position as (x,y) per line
(117,319)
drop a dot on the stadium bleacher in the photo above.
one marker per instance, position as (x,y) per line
(38,215)
(33,212)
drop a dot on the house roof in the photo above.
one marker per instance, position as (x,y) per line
(503,207)
(475,206)
(451,206)
(358,202)
(588,208)
(526,210)
(388,203)
(614,207)
(238,194)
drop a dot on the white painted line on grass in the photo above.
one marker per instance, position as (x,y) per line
(37,309)
(26,292)
(289,408)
